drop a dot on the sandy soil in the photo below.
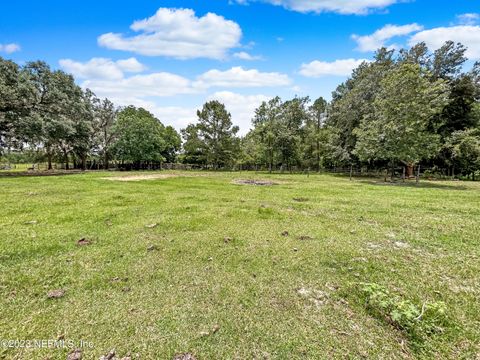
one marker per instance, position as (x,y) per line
(141,177)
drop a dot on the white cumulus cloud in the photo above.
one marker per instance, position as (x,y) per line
(346,7)
(101,68)
(318,68)
(176,116)
(242,107)
(238,77)
(145,85)
(468,18)
(243,55)
(9,48)
(380,37)
(107,78)
(131,65)
(178,33)
(468,35)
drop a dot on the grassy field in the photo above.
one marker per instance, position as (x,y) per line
(193,263)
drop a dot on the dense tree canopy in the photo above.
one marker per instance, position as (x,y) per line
(397,128)
(139,137)
(213,139)
(400,109)
(44,111)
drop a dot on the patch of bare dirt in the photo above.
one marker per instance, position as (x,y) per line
(112,356)
(214,330)
(75,355)
(315,296)
(83,242)
(184,356)
(152,248)
(56,294)
(254,182)
(141,177)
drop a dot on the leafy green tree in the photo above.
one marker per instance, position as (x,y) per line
(417,54)
(251,151)
(457,115)
(293,115)
(193,147)
(448,61)
(83,139)
(266,123)
(105,116)
(314,140)
(352,102)
(465,148)
(139,137)
(173,144)
(475,73)
(398,128)
(74,124)
(59,107)
(16,99)
(217,134)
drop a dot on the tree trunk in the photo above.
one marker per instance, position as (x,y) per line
(105,161)
(318,156)
(318,142)
(49,158)
(409,170)
(65,156)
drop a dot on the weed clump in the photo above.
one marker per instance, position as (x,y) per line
(417,322)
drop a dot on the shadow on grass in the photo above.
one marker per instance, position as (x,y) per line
(14,174)
(420,185)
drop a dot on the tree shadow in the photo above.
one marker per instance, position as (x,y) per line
(16,174)
(423,184)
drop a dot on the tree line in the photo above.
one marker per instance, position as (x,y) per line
(400,109)
(45,116)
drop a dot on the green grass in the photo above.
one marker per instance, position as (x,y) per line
(15,167)
(273,296)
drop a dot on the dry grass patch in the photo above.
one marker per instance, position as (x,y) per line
(254,182)
(141,177)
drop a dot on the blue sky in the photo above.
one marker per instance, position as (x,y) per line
(172,56)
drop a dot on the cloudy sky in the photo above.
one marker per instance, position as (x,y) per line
(172,56)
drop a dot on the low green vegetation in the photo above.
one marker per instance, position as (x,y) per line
(239,266)
(418,322)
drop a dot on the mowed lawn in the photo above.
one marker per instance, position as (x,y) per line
(194,263)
